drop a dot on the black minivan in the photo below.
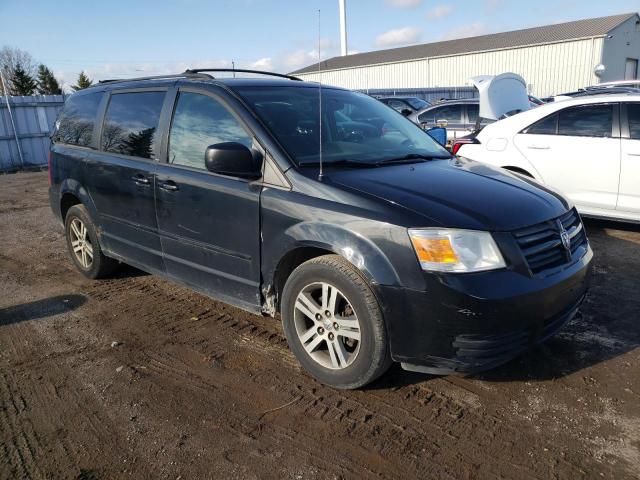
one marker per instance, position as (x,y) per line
(277,195)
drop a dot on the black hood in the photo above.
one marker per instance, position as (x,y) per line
(457,193)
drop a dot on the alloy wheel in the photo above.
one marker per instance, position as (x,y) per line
(327,325)
(81,243)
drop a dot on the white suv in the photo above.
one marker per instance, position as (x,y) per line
(588,148)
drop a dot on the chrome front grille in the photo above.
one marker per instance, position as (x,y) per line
(543,247)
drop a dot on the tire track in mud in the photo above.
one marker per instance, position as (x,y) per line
(414,424)
(245,421)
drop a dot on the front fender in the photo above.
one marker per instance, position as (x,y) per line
(358,250)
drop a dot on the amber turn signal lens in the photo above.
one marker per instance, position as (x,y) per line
(437,250)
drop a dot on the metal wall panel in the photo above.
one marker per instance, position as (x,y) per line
(34,118)
(548,69)
(431,95)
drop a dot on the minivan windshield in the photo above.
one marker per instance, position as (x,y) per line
(356,129)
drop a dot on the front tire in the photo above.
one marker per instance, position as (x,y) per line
(84,246)
(333,323)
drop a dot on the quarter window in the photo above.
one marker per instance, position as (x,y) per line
(586,121)
(131,123)
(546,126)
(633,113)
(200,121)
(472,114)
(77,119)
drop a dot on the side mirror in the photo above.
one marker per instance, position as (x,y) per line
(232,158)
(439,134)
(424,125)
(406,112)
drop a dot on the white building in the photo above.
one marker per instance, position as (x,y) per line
(552,59)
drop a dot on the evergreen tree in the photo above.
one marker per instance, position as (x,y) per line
(83,82)
(139,144)
(47,83)
(22,83)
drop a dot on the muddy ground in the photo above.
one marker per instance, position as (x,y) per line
(197,389)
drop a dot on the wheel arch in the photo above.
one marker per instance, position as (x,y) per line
(311,240)
(73,193)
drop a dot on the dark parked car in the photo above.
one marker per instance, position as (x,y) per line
(405,105)
(374,248)
(460,116)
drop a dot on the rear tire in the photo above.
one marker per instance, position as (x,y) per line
(333,323)
(84,245)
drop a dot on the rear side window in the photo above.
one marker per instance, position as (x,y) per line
(77,119)
(200,121)
(587,121)
(451,113)
(633,113)
(131,123)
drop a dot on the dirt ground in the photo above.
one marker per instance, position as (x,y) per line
(193,388)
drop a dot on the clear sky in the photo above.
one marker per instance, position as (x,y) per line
(119,38)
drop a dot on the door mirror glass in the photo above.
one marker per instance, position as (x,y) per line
(439,134)
(232,158)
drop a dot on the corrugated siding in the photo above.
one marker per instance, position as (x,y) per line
(548,69)
(431,95)
(34,118)
(561,32)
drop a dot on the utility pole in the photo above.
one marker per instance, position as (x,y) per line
(343,27)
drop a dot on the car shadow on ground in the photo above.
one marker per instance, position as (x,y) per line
(607,328)
(47,307)
(127,271)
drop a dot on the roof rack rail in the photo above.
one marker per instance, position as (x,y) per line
(187,74)
(241,70)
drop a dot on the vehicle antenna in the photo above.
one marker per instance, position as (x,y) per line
(319,103)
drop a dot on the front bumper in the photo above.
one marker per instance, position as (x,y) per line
(473,322)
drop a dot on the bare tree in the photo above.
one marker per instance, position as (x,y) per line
(11,58)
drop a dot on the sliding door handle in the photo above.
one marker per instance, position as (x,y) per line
(140,179)
(169,186)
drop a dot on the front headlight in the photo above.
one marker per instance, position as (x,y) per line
(452,250)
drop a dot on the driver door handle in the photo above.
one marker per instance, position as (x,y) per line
(168,185)
(538,147)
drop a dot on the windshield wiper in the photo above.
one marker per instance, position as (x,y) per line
(343,162)
(347,162)
(412,158)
